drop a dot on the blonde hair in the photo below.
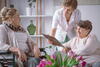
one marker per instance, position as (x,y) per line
(7,13)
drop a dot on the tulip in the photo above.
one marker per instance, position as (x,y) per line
(78,58)
(82,63)
(71,54)
(49,62)
(42,63)
(53,56)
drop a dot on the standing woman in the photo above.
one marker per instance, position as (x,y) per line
(64,20)
(14,38)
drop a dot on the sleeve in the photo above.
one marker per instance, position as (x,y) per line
(91,46)
(3,39)
(68,44)
(55,20)
(34,50)
(77,16)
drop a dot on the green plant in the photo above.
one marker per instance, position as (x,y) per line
(58,60)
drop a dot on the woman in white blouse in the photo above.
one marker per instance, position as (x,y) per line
(14,38)
(85,44)
(64,20)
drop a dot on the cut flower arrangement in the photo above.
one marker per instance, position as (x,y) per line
(57,60)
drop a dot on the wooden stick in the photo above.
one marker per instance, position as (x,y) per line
(37,20)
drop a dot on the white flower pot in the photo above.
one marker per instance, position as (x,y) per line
(28,11)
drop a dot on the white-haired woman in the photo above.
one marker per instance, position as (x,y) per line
(85,44)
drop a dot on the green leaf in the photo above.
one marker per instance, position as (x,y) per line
(48,57)
(48,66)
(54,64)
(59,59)
(52,60)
(72,62)
(65,61)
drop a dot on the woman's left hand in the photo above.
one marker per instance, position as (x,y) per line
(23,57)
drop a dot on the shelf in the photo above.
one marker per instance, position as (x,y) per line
(36,35)
(25,16)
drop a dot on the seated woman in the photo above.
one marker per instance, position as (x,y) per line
(85,44)
(14,38)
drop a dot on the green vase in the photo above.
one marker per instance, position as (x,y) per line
(31,28)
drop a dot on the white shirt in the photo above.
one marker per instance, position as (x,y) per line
(59,21)
(9,38)
(21,38)
(88,47)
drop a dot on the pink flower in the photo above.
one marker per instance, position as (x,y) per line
(78,58)
(49,62)
(53,56)
(71,54)
(42,63)
(82,63)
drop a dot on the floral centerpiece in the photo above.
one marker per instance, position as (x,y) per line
(57,60)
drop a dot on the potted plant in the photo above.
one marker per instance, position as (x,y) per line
(30,3)
(30,10)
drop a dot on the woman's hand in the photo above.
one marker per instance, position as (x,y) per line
(65,50)
(36,50)
(21,55)
(50,42)
(15,50)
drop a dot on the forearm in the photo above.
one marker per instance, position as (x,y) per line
(36,51)
(53,32)
(14,50)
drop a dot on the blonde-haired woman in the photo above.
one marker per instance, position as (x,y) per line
(14,38)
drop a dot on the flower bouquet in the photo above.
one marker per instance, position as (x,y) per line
(57,60)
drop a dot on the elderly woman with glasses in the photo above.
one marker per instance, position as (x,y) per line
(85,44)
